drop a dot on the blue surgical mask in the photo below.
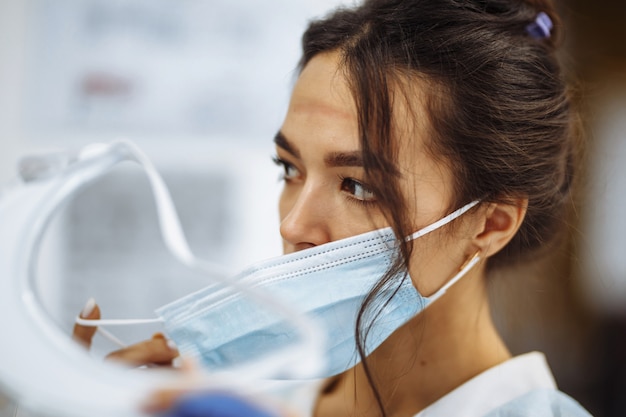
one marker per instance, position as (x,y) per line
(328,283)
(305,302)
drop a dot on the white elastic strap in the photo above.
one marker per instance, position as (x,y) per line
(108,335)
(455,278)
(111,337)
(115,322)
(443,221)
(172,231)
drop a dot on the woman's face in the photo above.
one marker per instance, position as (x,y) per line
(325,197)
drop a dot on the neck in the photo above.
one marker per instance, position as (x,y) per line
(450,342)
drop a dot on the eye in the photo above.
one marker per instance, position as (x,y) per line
(357,190)
(290,172)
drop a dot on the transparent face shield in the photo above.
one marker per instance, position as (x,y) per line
(41,367)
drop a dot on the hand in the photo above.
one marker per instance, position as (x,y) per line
(155,351)
(83,334)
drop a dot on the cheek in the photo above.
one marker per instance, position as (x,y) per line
(432,264)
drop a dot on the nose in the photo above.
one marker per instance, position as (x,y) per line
(304,219)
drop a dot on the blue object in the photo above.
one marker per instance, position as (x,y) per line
(542,26)
(216,405)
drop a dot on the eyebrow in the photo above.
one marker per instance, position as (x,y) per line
(281,141)
(344,159)
(331,160)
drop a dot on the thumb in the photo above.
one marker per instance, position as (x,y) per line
(84,334)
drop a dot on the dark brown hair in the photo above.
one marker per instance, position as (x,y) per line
(497,103)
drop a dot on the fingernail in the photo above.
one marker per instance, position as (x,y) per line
(172,346)
(89,307)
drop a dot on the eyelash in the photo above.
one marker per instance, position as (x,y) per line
(285,166)
(350,197)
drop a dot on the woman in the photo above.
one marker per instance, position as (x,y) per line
(403,112)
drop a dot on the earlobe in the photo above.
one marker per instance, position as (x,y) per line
(499,224)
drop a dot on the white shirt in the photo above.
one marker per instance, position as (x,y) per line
(494,387)
(478,396)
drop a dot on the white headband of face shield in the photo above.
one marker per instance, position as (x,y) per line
(42,369)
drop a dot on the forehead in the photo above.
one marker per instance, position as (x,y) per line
(322,110)
(322,86)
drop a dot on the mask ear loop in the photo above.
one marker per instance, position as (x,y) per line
(112,322)
(110,336)
(469,264)
(299,361)
(465,268)
(443,221)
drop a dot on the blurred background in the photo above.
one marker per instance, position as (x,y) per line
(202,86)
(571,304)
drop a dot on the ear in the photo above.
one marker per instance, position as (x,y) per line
(498,224)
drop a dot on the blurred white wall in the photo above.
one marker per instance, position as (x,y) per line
(13,37)
(75,71)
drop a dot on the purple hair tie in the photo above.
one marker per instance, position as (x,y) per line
(541,27)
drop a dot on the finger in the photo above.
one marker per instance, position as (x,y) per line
(84,334)
(157,350)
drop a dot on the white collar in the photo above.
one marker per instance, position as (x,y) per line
(494,387)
